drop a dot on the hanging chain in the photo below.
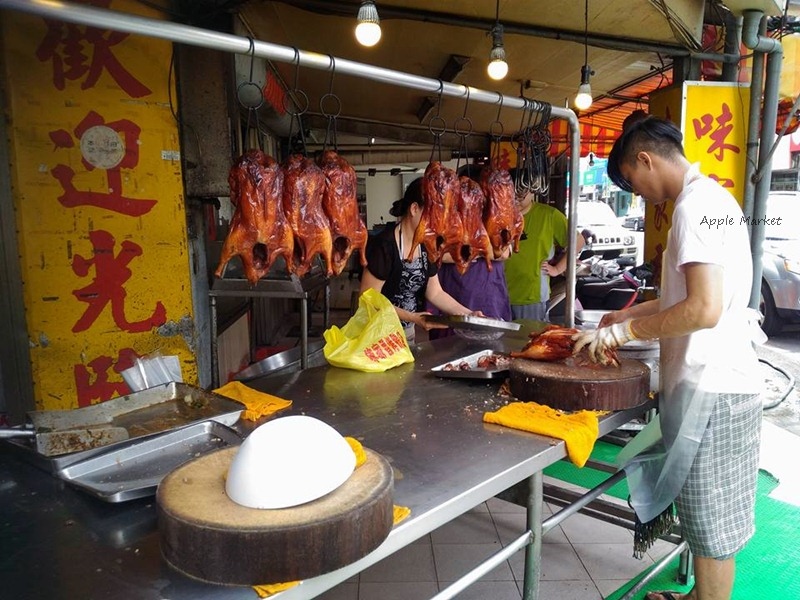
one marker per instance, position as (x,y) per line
(330,131)
(299,106)
(463,128)
(437,126)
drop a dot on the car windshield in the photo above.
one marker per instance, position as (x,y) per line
(595,213)
(787,207)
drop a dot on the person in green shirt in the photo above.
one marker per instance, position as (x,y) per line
(528,271)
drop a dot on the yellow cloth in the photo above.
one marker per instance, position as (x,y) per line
(257,404)
(358,450)
(398,514)
(579,430)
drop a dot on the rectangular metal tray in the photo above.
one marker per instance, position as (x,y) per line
(135,470)
(474,323)
(152,411)
(474,372)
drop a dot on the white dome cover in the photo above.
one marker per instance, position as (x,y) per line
(287,462)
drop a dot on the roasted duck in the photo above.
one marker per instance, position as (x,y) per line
(439,227)
(340,204)
(259,231)
(503,220)
(554,343)
(303,189)
(474,239)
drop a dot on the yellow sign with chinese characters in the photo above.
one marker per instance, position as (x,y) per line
(715,131)
(98,193)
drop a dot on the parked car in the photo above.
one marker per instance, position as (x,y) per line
(780,280)
(634,220)
(603,234)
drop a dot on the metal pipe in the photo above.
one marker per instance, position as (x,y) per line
(769,116)
(533,552)
(592,494)
(655,570)
(608,42)
(753,120)
(490,563)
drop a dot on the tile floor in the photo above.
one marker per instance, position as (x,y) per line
(582,559)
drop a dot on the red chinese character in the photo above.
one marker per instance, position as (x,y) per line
(703,126)
(370,354)
(83,53)
(101,389)
(112,200)
(724,182)
(661,218)
(108,285)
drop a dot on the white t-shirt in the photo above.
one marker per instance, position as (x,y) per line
(707,227)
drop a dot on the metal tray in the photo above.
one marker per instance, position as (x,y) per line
(282,362)
(135,470)
(144,413)
(474,323)
(474,372)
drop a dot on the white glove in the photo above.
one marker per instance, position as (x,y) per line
(602,339)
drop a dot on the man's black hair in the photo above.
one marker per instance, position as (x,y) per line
(650,134)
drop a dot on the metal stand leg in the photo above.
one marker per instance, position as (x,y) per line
(214,345)
(686,568)
(327,315)
(304,332)
(533,551)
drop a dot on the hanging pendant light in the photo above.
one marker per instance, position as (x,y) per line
(368,30)
(498,67)
(583,99)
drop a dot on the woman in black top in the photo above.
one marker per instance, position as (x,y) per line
(407,284)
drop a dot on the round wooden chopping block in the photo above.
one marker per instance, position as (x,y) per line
(576,384)
(207,536)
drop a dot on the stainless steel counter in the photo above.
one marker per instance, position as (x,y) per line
(60,543)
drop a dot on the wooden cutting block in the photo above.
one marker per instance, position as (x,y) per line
(575,384)
(207,536)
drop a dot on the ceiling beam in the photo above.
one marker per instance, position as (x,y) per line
(610,42)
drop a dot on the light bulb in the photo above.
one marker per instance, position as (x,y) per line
(583,99)
(368,30)
(497,69)
(368,34)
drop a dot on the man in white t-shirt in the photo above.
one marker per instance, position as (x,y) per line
(709,405)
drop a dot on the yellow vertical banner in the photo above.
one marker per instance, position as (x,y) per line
(715,131)
(666,104)
(98,193)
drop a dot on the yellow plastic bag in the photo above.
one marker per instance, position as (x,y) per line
(372,340)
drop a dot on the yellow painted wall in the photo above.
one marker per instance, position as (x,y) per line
(99,204)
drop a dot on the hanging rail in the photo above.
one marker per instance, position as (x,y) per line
(194,36)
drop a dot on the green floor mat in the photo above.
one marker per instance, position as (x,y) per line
(765,569)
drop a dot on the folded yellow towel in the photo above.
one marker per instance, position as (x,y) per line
(398,514)
(579,430)
(257,404)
